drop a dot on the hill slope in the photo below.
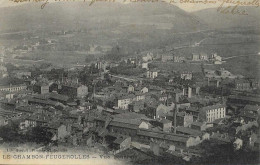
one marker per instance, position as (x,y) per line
(56,16)
(218,20)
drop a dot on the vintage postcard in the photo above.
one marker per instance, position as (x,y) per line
(130,82)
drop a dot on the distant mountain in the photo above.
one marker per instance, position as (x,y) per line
(218,20)
(57,16)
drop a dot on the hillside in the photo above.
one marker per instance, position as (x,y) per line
(57,16)
(216,20)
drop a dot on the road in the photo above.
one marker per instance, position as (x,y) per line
(227,58)
(127,79)
(20,32)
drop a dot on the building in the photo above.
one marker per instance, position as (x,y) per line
(213,112)
(21,74)
(130,89)
(145,65)
(242,85)
(148,57)
(152,74)
(164,124)
(182,119)
(122,142)
(74,90)
(204,57)
(124,101)
(166,58)
(178,58)
(13,88)
(136,106)
(41,88)
(163,111)
(240,100)
(195,57)
(198,126)
(186,75)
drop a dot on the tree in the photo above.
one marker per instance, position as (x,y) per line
(39,134)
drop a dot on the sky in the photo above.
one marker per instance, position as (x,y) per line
(187,7)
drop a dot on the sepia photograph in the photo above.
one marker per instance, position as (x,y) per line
(130,82)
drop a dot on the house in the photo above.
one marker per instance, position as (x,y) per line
(187,91)
(186,75)
(167,57)
(34,120)
(124,101)
(195,57)
(130,89)
(151,74)
(144,90)
(139,96)
(41,88)
(178,58)
(74,90)
(213,112)
(238,143)
(198,126)
(122,143)
(242,85)
(145,65)
(184,119)
(204,57)
(163,123)
(148,57)
(163,110)
(60,131)
(136,106)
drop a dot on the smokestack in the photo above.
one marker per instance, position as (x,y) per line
(175,116)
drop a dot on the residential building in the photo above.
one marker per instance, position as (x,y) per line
(13,88)
(164,124)
(124,101)
(213,112)
(198,126)
(74,90)
(41,88)
(242,85)
(151,74)
(148,57)
(204,57)
(167,57)
(178,58)
(195,57)
(145,65)
(186,75)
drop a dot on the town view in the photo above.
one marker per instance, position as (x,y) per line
(141,83)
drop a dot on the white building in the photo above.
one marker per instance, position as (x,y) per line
(152,74)
(211,113)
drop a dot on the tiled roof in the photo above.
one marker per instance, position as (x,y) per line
(189,131)
(163,135)
(216,106)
